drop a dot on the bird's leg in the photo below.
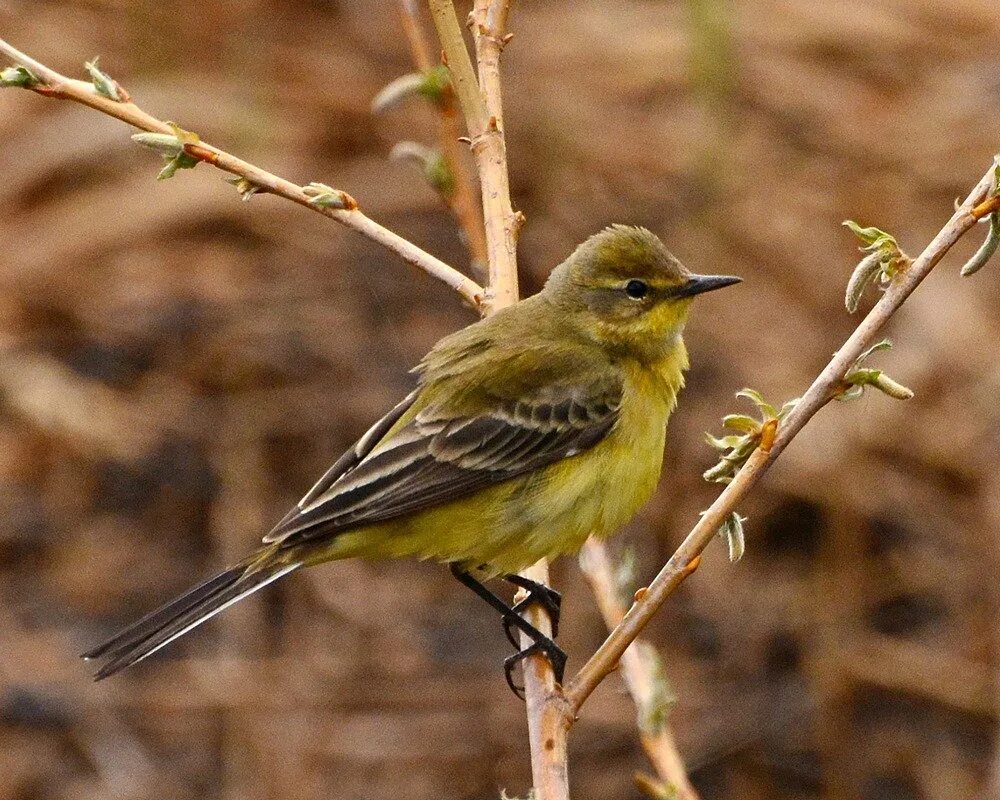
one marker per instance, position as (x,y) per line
(538,593)
(540,642)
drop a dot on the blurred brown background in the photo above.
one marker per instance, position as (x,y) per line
(177,367)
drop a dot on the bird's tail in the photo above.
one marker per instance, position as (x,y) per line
(160,627)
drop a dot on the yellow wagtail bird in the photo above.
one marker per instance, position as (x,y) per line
(528,431)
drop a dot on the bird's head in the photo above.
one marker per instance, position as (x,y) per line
(624,287)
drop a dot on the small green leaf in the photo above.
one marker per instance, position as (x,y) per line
(720,473)
(723,443)
(850,394)
(878,347)
(181,161)
(864,376)
(987,249)
(18,76)
(769,411)
(732,532)
(397,91)
(873,238)
(741,422)
(104,84)
(433,85)
(787,407)
(865,273)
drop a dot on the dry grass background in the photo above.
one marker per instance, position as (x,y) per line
(177,366)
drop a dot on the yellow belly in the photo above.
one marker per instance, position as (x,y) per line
(544,514)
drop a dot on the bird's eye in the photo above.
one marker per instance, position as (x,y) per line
(636,289)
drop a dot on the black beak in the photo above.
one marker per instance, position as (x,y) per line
(698,284)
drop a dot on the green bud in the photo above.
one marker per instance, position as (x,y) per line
(180,161)
(397,91)
(865,273)
(742,445)
(104,84)
(860,376)
(986,250)
(171,147)
(162,143)
(244,187)
(435,166)
(890,387)
(19,77)
(433,85)
(436,85)
(439,175)
(732,532)
(324,196)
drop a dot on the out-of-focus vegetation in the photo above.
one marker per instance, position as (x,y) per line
(177,367)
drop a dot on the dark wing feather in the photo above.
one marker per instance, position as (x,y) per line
(433,460)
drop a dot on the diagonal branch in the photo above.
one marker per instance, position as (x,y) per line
(685,560)
(54,84)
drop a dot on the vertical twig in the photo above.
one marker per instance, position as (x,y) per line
(639,672)
(482,105)
(489,149)
(462,201)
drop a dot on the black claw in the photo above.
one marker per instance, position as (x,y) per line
(511,617)
(538,594)
(508,668)
(507,623)
(555,655)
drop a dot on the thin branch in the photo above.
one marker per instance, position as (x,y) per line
(54,84)
(685,560)
(462,200)
(639,670)
(547,718)
(489,149)
(547,715)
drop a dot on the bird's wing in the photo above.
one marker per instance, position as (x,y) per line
(436,458)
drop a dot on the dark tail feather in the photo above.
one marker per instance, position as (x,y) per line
(160,627)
